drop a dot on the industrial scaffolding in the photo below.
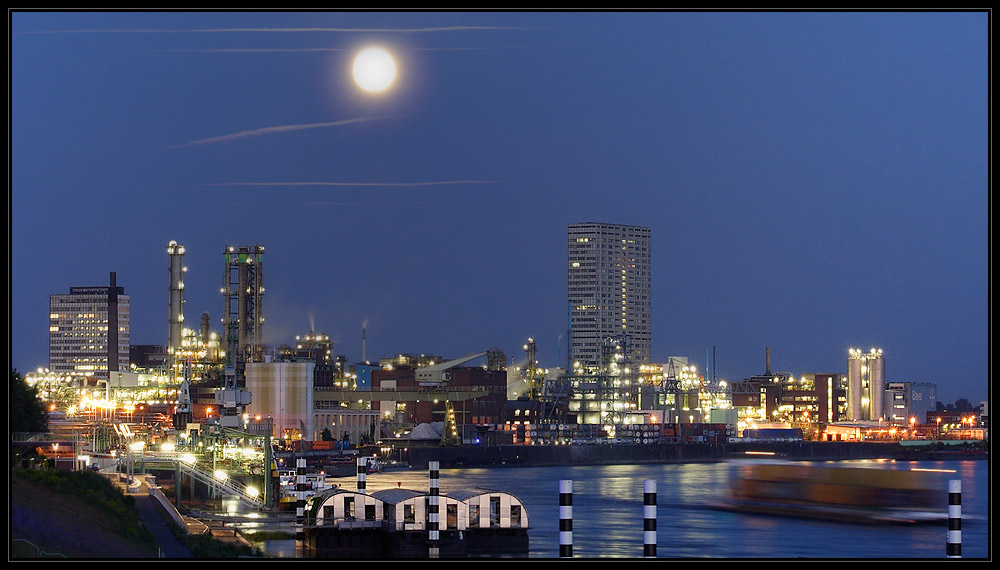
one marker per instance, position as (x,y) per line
(243,290)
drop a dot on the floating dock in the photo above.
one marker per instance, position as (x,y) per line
(405,523)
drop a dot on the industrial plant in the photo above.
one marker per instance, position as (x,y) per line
(220,409)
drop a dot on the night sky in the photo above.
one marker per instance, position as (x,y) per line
(813,181)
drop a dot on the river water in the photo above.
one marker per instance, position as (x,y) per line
(607,513)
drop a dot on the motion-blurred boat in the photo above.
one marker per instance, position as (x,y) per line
(848,494)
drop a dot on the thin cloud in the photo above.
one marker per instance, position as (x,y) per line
(273,130)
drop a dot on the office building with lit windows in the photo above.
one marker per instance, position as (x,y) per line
(609,293)
(89,331)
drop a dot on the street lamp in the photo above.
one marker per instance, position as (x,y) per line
(135,447)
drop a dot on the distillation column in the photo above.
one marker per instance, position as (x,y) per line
(175,302)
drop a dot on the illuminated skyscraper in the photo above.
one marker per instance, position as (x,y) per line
(865,384)
(609,293)
(89,331)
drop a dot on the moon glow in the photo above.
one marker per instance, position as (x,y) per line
(374,70)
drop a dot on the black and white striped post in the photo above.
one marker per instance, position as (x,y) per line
(954,547)
(433,530)
(300,498)
(362,474)
(566,518)
(649,519)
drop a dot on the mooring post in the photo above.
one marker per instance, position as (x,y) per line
(566,518)
(954,548)
(362,473)
(432,516)
(649,519)
(300,498)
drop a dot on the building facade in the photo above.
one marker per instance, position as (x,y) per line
(89,331)
(906,400)
(814,398)
(609,294)
(398,396)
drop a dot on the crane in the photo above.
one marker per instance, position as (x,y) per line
(438,373)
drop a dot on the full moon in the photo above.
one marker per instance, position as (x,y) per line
(374,70)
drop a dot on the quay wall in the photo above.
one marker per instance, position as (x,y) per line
(623,454)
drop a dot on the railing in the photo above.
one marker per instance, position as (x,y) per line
(227,486)
(40,553)
(33,436)
(426,389)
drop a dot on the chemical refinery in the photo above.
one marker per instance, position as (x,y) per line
(224,399)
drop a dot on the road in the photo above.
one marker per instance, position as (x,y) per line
(150,514)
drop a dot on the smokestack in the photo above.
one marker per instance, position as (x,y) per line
(113,325)
(768,362)
(363,341)
(205,330)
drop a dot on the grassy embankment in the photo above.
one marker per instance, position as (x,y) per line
(74,515)
(80,514)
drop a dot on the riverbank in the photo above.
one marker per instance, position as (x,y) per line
(58,514)
(561,455)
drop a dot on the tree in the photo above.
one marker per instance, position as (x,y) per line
(325,435)
(963,405)
(27,412)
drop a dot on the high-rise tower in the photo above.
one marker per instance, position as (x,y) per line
(609,293)
(89,330)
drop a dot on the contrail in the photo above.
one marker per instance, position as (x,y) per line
(249,50)
(357,184)
(272,130)
(326,49)
(339,204)
(284,30)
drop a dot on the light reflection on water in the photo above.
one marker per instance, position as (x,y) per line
(607,513)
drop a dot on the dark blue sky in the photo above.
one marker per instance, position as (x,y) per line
(813,181)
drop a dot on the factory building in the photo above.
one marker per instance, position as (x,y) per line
(609,289)
(905,400)
(355,426)
(812,398)
(487,406)
(89,331)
